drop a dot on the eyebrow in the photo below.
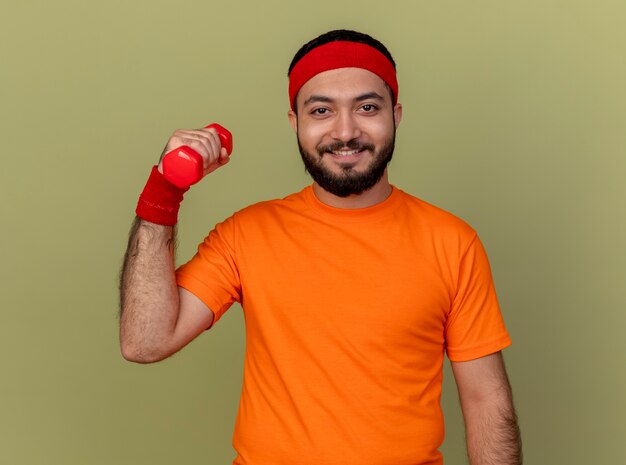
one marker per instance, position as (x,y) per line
(368,96)
(360,98)
(318,98)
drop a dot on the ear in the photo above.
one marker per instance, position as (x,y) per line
(397,113)
(293,120)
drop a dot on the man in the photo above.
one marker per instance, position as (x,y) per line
(352,289)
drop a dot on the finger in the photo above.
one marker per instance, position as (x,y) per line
(219,162)
(214,137)
(199,145)
(216,144)
(208,148)
(224,157)
(200,136)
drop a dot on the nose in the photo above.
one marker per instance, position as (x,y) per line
(345,127)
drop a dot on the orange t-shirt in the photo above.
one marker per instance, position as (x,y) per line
(348,314)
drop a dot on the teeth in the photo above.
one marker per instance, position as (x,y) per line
(344,153)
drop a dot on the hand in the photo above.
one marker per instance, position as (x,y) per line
(205,141)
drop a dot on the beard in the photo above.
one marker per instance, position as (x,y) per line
(348,181)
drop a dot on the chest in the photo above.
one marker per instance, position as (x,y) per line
(348,279)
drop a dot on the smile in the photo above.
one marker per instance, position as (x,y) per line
(344,153)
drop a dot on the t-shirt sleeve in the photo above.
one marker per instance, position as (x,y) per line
(475,327)
(212,273)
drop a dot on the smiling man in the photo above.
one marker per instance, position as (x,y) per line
(346,135)
(352,289)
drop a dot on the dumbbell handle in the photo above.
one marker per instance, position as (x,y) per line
(183,166)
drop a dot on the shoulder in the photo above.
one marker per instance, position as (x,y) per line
(269,210)
(259,218)
(291,201)
(434,218)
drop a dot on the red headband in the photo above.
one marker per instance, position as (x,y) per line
(341,54)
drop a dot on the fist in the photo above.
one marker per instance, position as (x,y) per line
(212,148)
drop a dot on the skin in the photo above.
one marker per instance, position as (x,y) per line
(339,106)
(491,429)
(158,318)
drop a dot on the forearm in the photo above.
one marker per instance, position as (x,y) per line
(492,431)
(149,301)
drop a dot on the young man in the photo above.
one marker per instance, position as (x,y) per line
(352,289)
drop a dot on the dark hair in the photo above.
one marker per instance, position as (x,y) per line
(340,35)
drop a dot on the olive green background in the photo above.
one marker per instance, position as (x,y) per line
(514,117)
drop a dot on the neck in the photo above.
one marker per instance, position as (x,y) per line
(377,194)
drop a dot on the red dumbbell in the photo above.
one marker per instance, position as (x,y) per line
(183,165)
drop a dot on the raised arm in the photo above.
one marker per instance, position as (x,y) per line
(157,318)
(492,433)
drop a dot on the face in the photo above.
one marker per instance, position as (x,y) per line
(345,126)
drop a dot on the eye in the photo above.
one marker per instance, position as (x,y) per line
(369,108)
(320,111)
